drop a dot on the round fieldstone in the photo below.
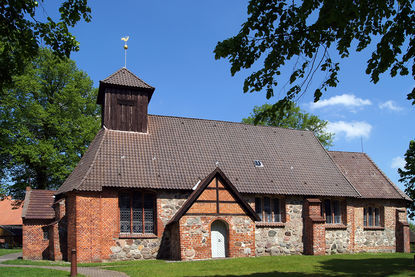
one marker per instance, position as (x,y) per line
(147,256)
(272,233)
(115,249)
(189,253)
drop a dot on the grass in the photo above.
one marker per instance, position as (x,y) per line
(36,262)
(32,272)
(9,251)
(396,264)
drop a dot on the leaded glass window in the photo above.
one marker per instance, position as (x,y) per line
(268,209)
(137,213)
(277,210)
(125,214)
(370,211)
(336,212)
(258,207)
(332,211)
(148,214)
(372,217)
(327,209)
(377,217)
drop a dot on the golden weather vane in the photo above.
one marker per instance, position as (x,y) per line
(125,39)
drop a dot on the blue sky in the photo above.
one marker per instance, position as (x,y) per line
(171,47)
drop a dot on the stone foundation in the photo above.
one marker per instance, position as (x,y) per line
(135,249)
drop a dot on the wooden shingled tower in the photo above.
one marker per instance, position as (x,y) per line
(124,100)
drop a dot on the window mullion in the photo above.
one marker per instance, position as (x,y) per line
(142,211)
(131,214)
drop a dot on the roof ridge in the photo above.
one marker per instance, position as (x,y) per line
(93,160)
(337,167)
(233,122)
(399,191)
(340,151)
(125,69)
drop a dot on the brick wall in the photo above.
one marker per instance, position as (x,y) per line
(35,247)
(195,236)
(93,226)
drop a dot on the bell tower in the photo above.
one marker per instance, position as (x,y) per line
(124,100)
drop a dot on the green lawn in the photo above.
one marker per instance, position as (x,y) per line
(9,251)
(32,272)
(397,264)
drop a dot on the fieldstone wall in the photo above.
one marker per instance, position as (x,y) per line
(138,249)
(375,240)
(168,203)
(286,239)
(337,241)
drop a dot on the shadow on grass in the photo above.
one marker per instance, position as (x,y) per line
(349,267)
(372,266)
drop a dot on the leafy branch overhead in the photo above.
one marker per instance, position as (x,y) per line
(408,176)
(277,32)
(290,116)
(25,26)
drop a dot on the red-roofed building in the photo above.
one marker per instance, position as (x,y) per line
(153,186)
(10,222)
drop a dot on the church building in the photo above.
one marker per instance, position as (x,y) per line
(165,187)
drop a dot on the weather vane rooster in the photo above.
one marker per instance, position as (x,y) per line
(125,39)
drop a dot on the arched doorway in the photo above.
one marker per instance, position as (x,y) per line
(219,239)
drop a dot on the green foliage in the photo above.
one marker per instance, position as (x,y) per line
(22,30)
(290,116)
(408,176)
(47,120)
(279,31)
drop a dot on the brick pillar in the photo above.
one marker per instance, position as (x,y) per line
(315,231)
(402,232)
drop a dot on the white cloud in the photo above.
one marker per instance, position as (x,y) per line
(351,130)
(390,105)
(398,162)
(347,100)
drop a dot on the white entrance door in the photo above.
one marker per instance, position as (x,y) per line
(218,239)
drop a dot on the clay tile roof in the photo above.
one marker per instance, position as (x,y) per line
(38,204)
(10,212)
(177,152)
(122,78)
(366,177)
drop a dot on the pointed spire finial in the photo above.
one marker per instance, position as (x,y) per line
(125,39)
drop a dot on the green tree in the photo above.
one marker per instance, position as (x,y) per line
(47,120)
(24,27)
(408,176)
(303,32)
(290,116)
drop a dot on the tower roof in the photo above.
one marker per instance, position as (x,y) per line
(123,78)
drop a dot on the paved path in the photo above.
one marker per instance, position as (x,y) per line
(87,271)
